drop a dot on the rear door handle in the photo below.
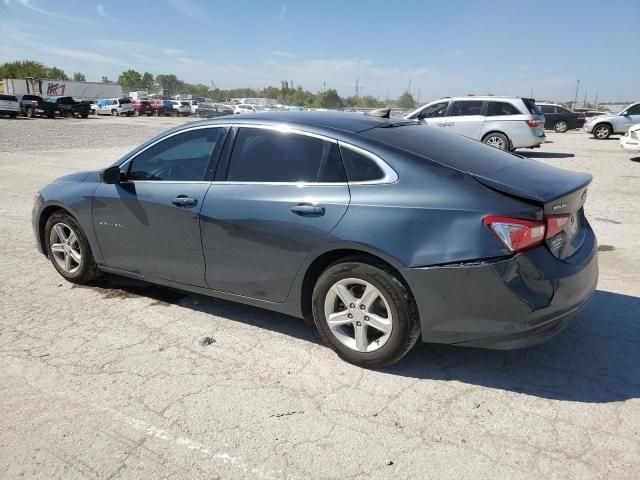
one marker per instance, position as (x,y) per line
(307,210)
(184,201)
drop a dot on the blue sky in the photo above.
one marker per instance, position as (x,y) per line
(443,48)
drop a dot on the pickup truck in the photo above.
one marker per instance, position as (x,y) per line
(69,107)
(34,105)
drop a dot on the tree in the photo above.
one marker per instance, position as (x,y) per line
(23,69)
(406,101)
(56,73)
(147,81)
(79,77)
(130,80)
(104,79)
(170,83)
(329,99)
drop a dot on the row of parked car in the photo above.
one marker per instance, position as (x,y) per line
(36,106)
(508,123)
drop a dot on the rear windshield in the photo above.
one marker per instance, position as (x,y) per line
(124,100)
(184,103)
(448,149)
(66,101)
(530,103)
(144,102)
(10,98)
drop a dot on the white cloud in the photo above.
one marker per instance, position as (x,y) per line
(173,52)
(283,11)
(81,55)
(7,3)
(103,13)
(28,5)
(190,9)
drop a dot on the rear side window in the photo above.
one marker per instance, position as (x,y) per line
(359,167)
(124,100)
(466,107)
(501,108)
(8,98)
(261,155)
(531,106)
(182,157)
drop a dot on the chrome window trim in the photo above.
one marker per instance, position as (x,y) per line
(390,175)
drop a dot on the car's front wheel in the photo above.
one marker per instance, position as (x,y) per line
(602,131)
(561,126)
(68,249)
(365,313)
(497,140)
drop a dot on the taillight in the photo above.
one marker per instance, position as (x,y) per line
(581,116)
(533,123)
(556,224)
(517,234)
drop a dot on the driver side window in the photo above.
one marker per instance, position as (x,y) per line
(435,110)
(635,110)
(183,157)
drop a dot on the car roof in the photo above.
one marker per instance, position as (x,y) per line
(344,121)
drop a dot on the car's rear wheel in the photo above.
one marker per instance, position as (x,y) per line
(561,126)
(68,249)
(602,131)
(365,313)
(115,113)
(497,140)
(31,113)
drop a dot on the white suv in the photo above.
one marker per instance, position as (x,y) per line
(506,123)
(113,106)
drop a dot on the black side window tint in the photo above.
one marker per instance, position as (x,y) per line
(183,157)
(501,108)
(261,155)
(466,107)
(635,110)
(332,170)
(360,168)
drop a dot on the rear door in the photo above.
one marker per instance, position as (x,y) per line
(549,112)
(150,224)
(279,195)
(466,117)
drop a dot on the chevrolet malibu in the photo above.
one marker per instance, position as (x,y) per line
(378,230)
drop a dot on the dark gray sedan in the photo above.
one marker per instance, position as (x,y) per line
(380,231)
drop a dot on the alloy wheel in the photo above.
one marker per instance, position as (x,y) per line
(496,142)
(65,247)
(358,315)
(561,127)
(602,131)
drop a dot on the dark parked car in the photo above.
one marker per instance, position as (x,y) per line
(212,110)
(142,107)
(561,119)
(34,105)
(70,108)
(379,230)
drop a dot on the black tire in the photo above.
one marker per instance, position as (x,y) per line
(115,113)
(31,113)
(13,115)
(497,140)
(561,126)
(85,115)
(87,269)
(50,115)
(602,131)
(405,323)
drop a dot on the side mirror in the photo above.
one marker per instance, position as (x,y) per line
(112,175)
(625,113)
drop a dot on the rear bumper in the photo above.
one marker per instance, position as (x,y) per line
(511,303)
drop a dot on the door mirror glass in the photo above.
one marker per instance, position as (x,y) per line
(625,113)
(111,175)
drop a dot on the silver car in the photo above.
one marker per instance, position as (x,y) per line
(506,123)
(603,126)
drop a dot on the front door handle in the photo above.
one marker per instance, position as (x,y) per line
(184,201)
(307,210)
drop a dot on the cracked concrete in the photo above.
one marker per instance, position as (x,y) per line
(113,381)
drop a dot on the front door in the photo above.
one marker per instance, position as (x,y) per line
(435,114)
(631,118)
(466,118)
(282,195)
(149,224)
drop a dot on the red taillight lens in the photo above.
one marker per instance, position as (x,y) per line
(581,116)
(556,224)
(515,233)
(533,123)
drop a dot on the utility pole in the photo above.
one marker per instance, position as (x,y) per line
(418,96)
(584,103)
(324,87)
(596,101)
(357,89)
(409,87)
(387,96)
(575,98)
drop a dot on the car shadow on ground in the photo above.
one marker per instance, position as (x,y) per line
(546,155)
(596,359)
(635,159)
